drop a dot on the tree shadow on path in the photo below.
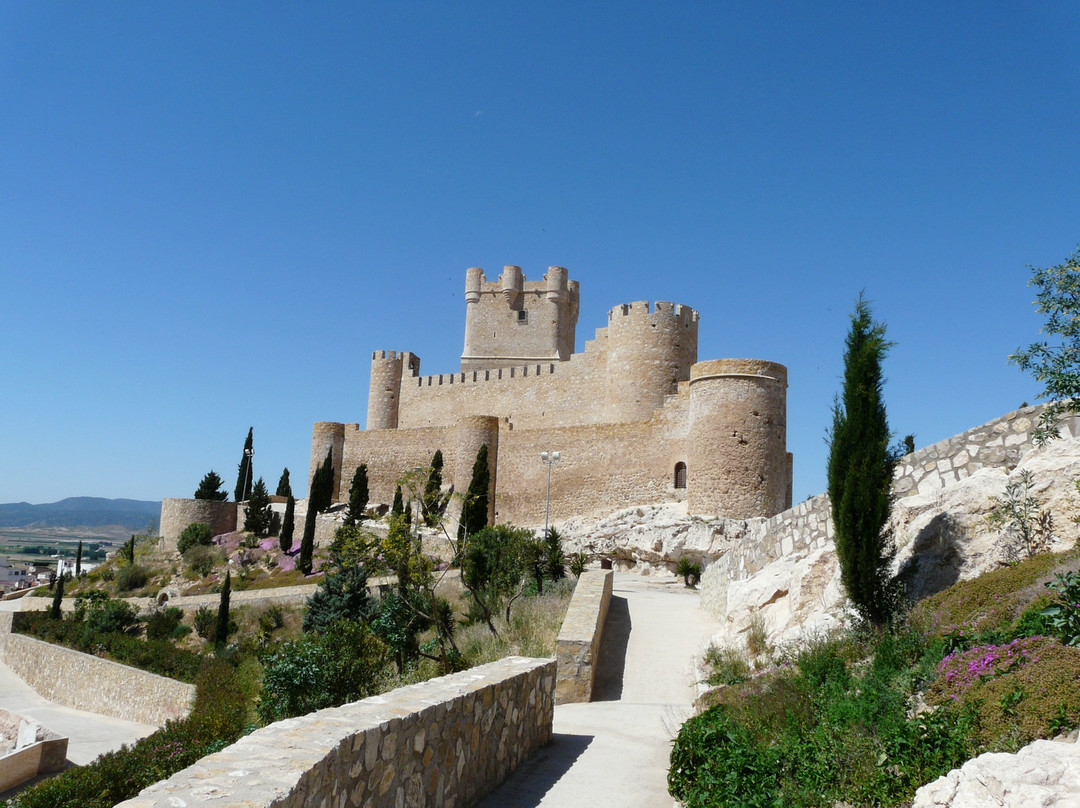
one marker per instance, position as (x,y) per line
(608,684)
(527,785)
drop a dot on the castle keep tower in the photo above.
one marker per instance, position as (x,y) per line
(512,322)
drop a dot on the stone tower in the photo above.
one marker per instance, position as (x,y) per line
(511,321)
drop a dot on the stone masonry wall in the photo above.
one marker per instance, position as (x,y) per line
(808,526)
(577,648)
(90,683)
(444,742)
(177,514)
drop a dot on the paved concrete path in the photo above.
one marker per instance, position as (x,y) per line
(614,750)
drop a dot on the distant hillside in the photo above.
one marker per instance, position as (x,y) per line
(133,514)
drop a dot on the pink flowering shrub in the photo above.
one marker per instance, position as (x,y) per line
(1022,690)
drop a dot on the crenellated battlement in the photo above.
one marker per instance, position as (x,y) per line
(663,309)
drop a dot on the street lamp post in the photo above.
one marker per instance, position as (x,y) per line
(549,459)
(248,453)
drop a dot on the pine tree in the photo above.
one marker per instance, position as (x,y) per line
(221,631)
(433,503)
(398,508)
(860,472)
(358,496)
(474,513)
(210,488)
(244,472)
(284,488)
(54,611)
(288,525)
(257,519)
(78,560)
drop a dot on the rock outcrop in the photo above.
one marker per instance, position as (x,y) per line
(1044,773)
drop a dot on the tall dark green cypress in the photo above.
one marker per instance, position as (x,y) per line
(54,610)
(221,630)
(257,519)
(284,487)
(320,497)
(860,472)
(398,508)
(131,549)
(288,525)
(474,513)
(358,496)
(78,560)
(307,542)
(432,503)
(244,472)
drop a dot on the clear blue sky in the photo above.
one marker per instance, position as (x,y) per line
(211,213)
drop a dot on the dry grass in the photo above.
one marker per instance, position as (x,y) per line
(533,628)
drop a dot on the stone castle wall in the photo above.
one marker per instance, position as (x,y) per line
(808,526)
(177,514)
(577,648)
(444,742)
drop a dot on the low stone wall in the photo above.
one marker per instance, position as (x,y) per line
(36,749)
(444,742)
(577,648)
(807,528)
(86,682)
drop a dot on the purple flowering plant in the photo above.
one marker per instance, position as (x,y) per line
(960,670)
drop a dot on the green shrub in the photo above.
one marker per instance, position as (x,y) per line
(322,670)
(162,623)
(204,622)
(578,562)
(131,576)
(689,571)
(202,559)
(726,666)
(194,534)
(1063,615)
(271,618)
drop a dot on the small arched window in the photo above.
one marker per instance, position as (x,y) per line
(680,475)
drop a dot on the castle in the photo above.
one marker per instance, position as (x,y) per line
(635,418)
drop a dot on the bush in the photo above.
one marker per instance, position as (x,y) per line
(271,618)
(197,533)
(162,623)
(131,576)
(205,621)
(1063,615)
(690,571)
(322,670)
(201,559)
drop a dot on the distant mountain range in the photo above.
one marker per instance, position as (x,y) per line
(133,514)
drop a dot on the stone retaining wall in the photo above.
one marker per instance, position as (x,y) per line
(444,742)
(86,682)
(799,531)
(577,648)
(36,749)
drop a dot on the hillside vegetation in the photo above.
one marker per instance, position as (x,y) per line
(866,717)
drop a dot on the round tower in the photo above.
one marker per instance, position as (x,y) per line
(738,463)
(512,283)
(384,392)
(649,353)
(328,435)
(471,433)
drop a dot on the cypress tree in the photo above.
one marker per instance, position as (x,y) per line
(131,549)
(432,503)
(221,631)
(474,513)
(358,496)
(54,611)
(78,560)
(284,488)
(307,543)
(288,525)
(244,472)
(860,472)
(398,508)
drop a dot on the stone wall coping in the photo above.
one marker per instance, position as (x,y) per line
(577,647)
(332,755)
